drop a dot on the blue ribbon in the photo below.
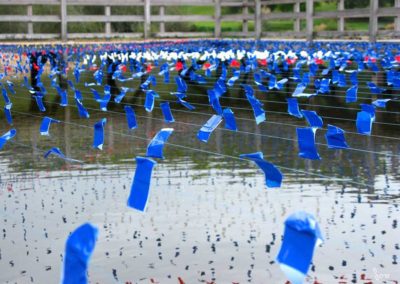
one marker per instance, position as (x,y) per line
(335,138)
(7,136)
(156,145)
(302,234)
(45,125)
(306,142)
(98,138)
(273,177)
(166,110)
(141,183)
(78,250)
(206,130)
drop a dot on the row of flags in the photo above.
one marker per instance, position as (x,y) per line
(199,64)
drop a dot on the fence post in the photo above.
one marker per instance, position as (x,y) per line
(373,20)
(108,24)
(341,19)
(245,11)
(162,13)
(257,19)
(397,19)
(63,10)
(217,18)
(30,24)
(296,10)
(147,11)
(310,20)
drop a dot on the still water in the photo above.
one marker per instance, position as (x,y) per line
(210,216)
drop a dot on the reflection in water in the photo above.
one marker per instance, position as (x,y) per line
(209,216)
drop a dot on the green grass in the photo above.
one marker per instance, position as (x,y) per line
(189,10)
(277,25)
(356,25)
(225,26)
(231,26)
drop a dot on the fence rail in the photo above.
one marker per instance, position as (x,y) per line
(155,18)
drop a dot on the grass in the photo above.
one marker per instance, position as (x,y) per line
(361,24)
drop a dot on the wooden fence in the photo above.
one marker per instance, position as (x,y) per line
(247,11)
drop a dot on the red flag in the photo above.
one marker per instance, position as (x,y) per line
(179,66)
(318,61)
(235,63)
(262,62)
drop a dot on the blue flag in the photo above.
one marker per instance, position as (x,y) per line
(181,84)
(306,141)
(364,122)
(351,94)
(293,107)
(78,250)
(313,119)
(141,183)
(83,113)
(370,109)
(7,112)
(156,145)
(130,117)
(7,136)
(206,130)
(149,102)
(166,110)
(45,125)
(273,177)
(39,101)
(98,138)
(335,138)
(302,234)
(57,152)
(229,117)
(380,103)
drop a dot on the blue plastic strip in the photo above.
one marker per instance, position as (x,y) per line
(306,142)
(45,125)
(166,110)
(150,80)
(302,234)
(186,104)
(39,102)
(83,113)
(78,250)
(380,103)
(7,136)
(256,105)
(98,138)
(7,112)
(206,130)
(335,138)
(364,123)
(370,109)
(181,84)
(273,177)
(141,183)
(156,145)
(130,117)
(57,152)
(313,119)
(5,96)
(293,108)
(230,121)
(351,94)
(149,102)
(78,95)
(231,81)
(121,95)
